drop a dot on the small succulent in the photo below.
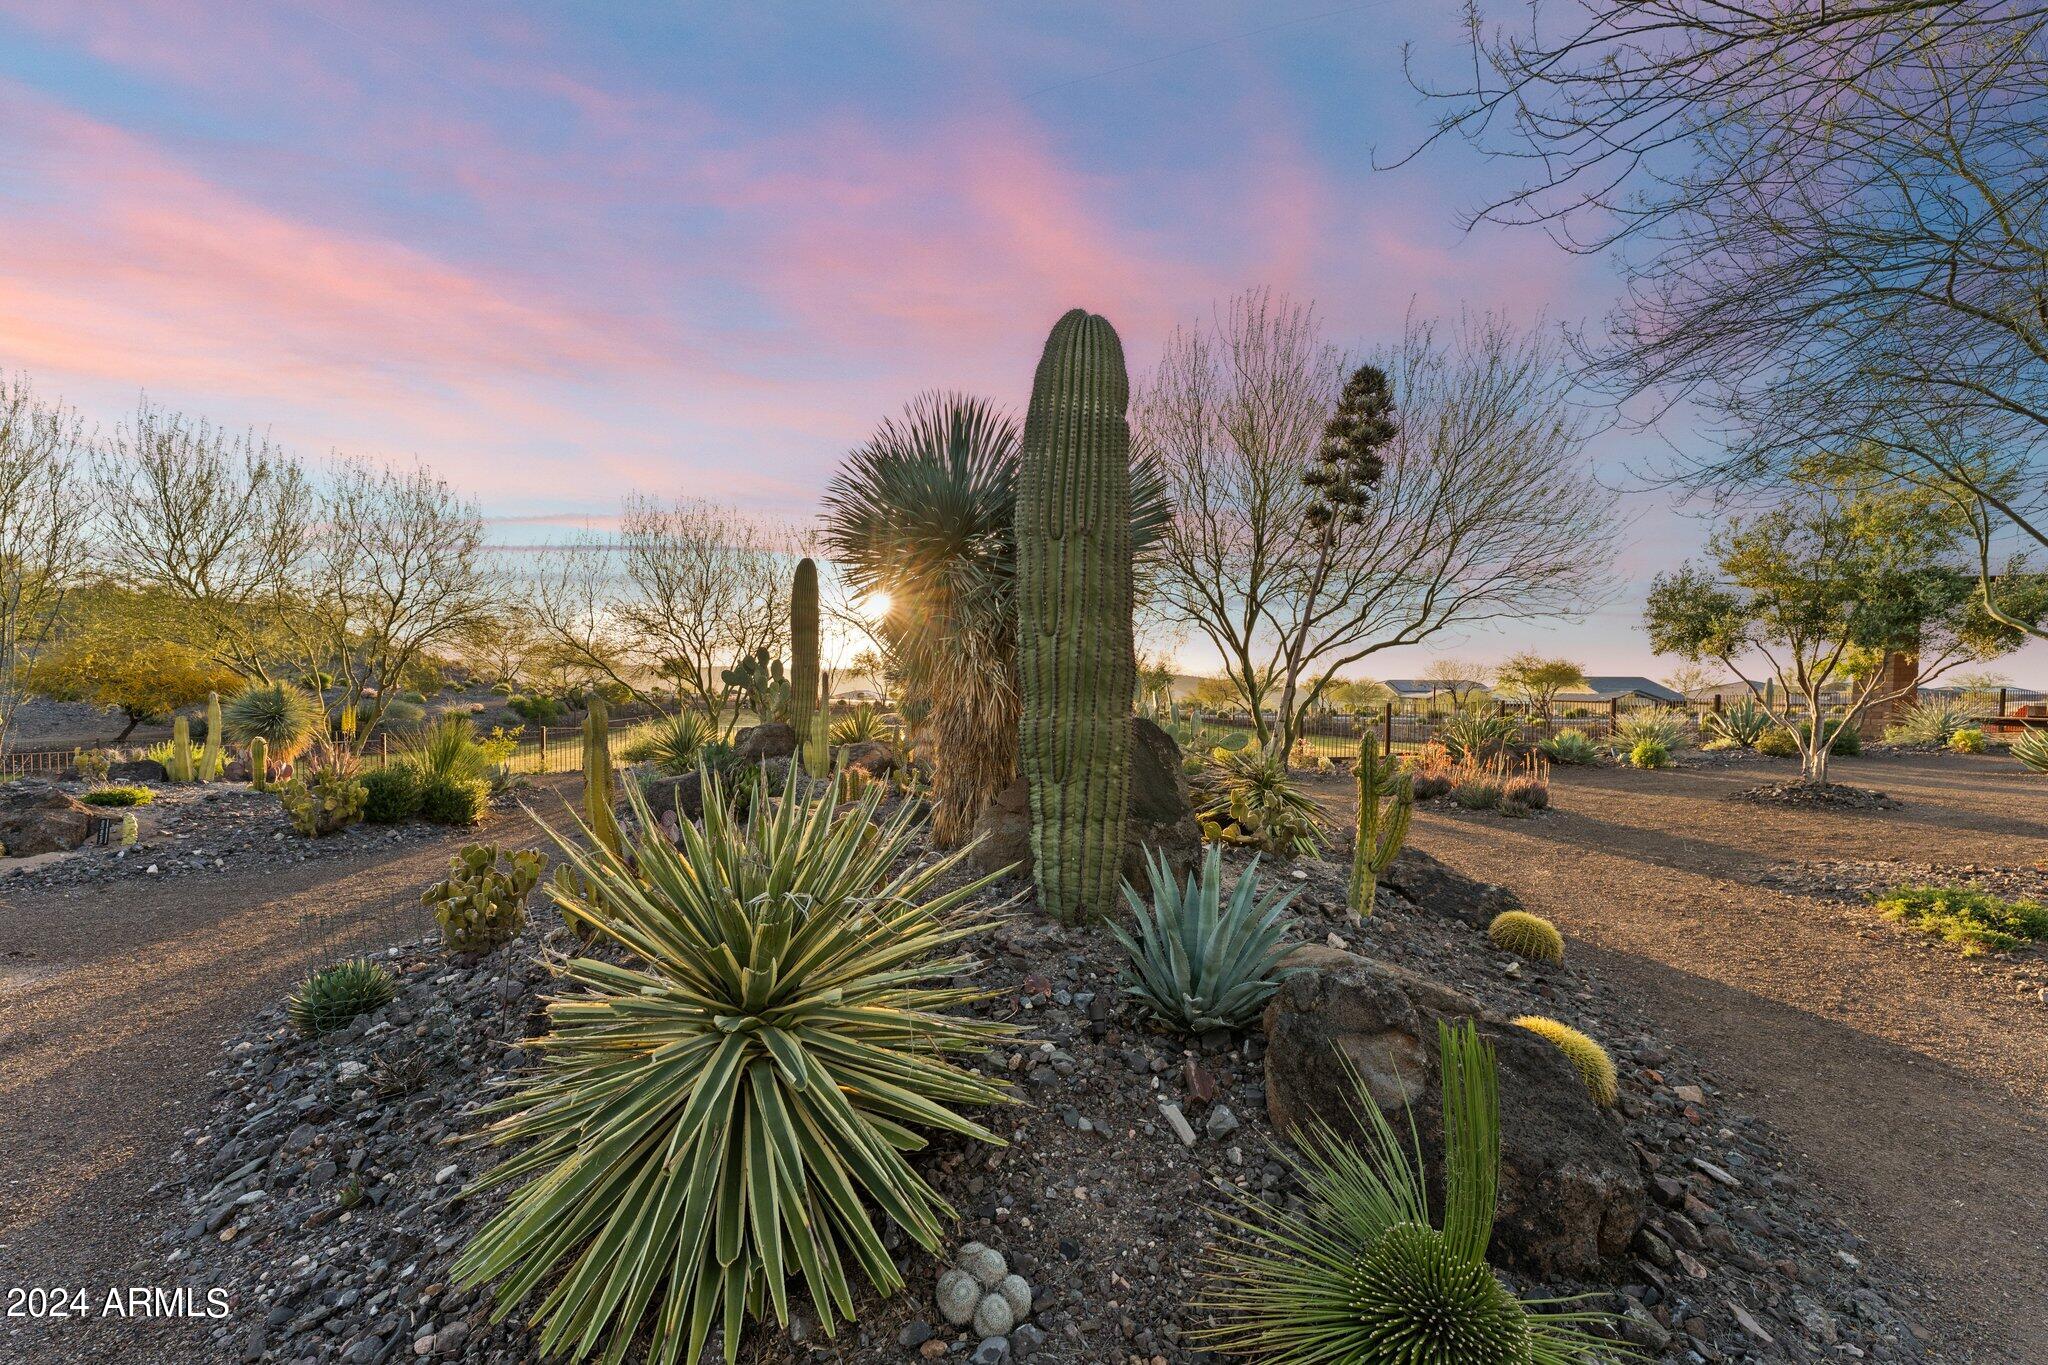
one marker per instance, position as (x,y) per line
(1595,1067)
(1197,961)
(1526,935)
(483,901)
(329,998)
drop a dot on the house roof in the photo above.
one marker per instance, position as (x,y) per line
(1607,688)
(1423,687)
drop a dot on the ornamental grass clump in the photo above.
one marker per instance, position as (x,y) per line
(1359,1274)
(728,1105)
(1199,961)
(329,999)
(1656,726)
(1974,921)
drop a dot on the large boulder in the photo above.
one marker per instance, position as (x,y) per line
(1443,891)
(1571,1193)
(770,739)
(869,756)
(35,817)
(1161,816)
(138,770)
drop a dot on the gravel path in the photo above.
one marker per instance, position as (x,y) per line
(1910,1081)
(115,1002)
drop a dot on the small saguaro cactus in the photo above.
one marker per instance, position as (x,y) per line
(1386,803)
(1076,662)
(803,647)
(209,757)
(597,776)
(259,763)
(180,767)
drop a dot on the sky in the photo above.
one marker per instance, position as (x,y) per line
(561,253)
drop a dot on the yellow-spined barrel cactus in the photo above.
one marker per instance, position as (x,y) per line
(483,902)
(1526,935)
(1076,669)
(1595,1067)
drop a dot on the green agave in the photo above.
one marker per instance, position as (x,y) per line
(731,1106)
(329,998)
(1361,1276)
(1197,961)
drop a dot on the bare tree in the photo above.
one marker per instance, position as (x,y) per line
(1483,510)
(43,515)
(1459,679)
(221,523)
(399,570)
(682,592)
(1833,220)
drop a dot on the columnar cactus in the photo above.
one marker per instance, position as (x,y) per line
(1386,802)
(181,750)
(259,763)
(1076,664)
(803,647)
(597,775)
(209,757)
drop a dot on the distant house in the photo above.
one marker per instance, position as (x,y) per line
(1425,688)
(1600,691)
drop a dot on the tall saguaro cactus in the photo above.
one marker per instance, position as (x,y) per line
(1076,666)
(1386,802)
(209,757)
(803,647)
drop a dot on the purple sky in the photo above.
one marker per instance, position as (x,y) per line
(562,252)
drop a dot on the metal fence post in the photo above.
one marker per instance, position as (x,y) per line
(2001,701)
(543,748)
(1387,730)
(1613,714)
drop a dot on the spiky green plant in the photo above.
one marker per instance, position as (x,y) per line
(728,1106)
(448,749)
(209,757)
(181,767)
(1927,722)
(482,902)
(1741,724)
(1076,660)
(803,646)
(678,740)
(1970,919)
(259,763)
(283,715)
(1571,747)
(329,998)
(1247,796)
(862,725)
(1526,935)
(1590,1059)
(1358,1274)
(2031,748)
(1386,803)
(1658,726)
(1197,961)
(1478,732)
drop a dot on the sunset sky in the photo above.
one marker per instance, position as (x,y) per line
(562,252)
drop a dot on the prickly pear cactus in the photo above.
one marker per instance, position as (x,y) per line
(1076,665)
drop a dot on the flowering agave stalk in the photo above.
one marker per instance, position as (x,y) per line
(730,1107)
(1361,1276)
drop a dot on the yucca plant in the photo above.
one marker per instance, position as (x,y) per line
(862,725)
(1359,1274)
(283,715)
(2031,748)
(729,1106)
(1655,726)
(1742,724)
(1478,733)
(1927,722)
(329,998)
(678,740)
(1197,961)
(1570,747)
(1250,798)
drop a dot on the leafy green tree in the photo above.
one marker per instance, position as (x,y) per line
(1797,599)
(146,680)
(1536,680)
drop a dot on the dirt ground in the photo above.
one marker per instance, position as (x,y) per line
(1912,1083)
(113,1009)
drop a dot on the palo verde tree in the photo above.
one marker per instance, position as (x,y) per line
(1810,595)
(1535,680)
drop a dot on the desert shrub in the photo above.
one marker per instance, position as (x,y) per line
(1656,726)
(861,725)
(1526,935)
(1199,961)
(450,748)
(535,710)
(1738,726)
(482,903)
(2031,748)
(1777,742)
(1927,722)
(121,794)
(726,1096)
(453,800)
(1590,1059)
(283,715)
(329,998)
(1354,1273)
(391,794)
(1972,920)
(1968,740)
(399,716)
(328,799)
(1252,799)
(1478,734)
(1649,753)
(1571,747)
(92,765)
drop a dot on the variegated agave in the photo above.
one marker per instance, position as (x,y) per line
(731,1107)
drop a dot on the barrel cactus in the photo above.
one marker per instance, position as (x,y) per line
(1594,1066)
(1526,935)
(1386,803)
(803,647)
(1076,662)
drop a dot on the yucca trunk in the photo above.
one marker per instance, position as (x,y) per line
(1076,662)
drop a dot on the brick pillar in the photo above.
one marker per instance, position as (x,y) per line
(1900,672)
